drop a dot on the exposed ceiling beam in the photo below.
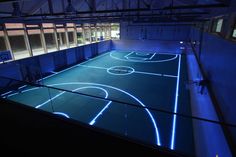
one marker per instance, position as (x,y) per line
(221,5)
(37,7)
(50,7)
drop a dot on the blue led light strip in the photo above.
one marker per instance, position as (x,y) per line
(49,100)
(62,114)
(100,113)
(172,146)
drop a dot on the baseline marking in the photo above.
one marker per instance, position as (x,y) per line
(140,61)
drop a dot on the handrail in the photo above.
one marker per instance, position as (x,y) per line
(127,103)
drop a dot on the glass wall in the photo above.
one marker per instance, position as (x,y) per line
(93,33)
(71,34)
(49,36)
(27,40)
(18,45)
(61,38)
(115,31)
(87,34)
(34,36)
(17,40)
(80,38)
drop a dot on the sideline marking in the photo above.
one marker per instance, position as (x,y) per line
(176,106)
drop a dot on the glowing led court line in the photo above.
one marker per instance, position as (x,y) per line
(172,146)
(86,87)
(62,114)
(89,66)
(140,61)
(53,72)
(22,87)
(22,91)
(138,72)
(6,93)
(113,68)
(170,76)
(152,56)
(141,54)
(129,54)
(136,58)
(73,66)
(158,142)
(38,106)
(100,113)
(30,89)
(93,87)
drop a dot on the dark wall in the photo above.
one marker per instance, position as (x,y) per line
(43,65)
(218,59)
(167,32)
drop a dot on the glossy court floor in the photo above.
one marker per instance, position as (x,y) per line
(122,92)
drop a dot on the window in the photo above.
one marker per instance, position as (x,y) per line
(87,34)
(219,25)
(80,39)
(61,38)
(115,31)
(71,38)
(18,45)
(234,32)
(49,36)
(93,34)
(35,41)
(50,40)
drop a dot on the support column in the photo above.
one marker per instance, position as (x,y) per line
(55,37)
(90,34)
(83,34)
(7,42)
(67,38)
(75,36)
(42,38)
(96,33)
(26,37)
(109,31)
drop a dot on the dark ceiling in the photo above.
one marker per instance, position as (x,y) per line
(111,10)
